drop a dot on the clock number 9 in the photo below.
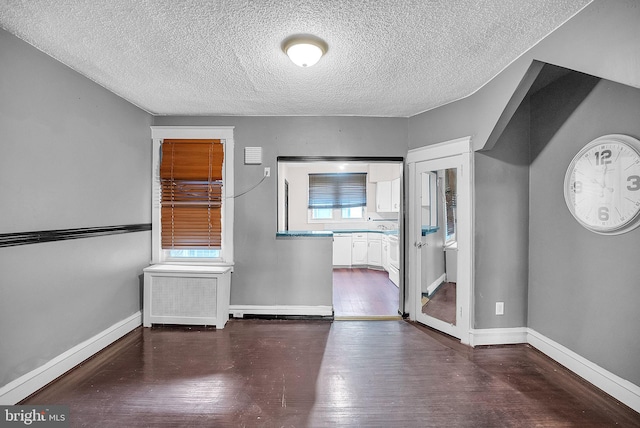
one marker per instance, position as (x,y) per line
(577,187)
(603,214)
(634,182)
(603,157)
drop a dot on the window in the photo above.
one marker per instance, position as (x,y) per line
(192,215)
(191,197)
(337,190)
(337,196)
(321,213)
(355,212)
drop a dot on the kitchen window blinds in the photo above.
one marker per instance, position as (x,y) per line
(191,194)
(337,190)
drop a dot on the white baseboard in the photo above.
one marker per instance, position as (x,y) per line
(239,311)
(435,284)
(29,383)
(497,336)
(621,389)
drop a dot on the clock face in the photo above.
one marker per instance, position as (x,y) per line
(602,185)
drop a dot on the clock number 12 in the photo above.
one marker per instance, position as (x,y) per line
(603,157)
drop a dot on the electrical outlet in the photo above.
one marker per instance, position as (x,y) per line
(267,172)
(499,308)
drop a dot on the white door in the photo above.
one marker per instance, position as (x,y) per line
(440,216)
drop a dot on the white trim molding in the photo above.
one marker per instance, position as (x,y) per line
(498,336)
(435,284)
(29,383)
(224,133)
(239,311)
(619,388)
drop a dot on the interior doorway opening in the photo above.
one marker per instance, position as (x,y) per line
(360,200)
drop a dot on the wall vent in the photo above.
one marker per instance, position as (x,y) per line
(253,155)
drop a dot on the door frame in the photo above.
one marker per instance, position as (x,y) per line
(463,148)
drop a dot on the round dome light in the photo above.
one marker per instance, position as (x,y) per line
(304,51)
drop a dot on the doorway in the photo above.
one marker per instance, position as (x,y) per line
(318,194)
(440,237)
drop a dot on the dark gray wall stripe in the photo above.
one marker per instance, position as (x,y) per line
(25,238)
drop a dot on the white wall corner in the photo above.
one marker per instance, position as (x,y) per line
(497,336)
(27,384)
(619,388)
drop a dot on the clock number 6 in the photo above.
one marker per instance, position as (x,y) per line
(603,157)
(634,182)
(603,213)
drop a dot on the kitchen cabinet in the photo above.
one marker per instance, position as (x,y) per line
(374,249)
(383,196)
(395,195)
(342,249)
(385,252)
(388,196)
(359,249)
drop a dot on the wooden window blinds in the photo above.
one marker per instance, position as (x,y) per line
(337,190)
(191,194)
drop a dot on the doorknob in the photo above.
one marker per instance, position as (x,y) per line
(419,244)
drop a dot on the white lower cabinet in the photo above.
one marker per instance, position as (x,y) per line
(385,252)
(359,249)
(374,249)
(342,249)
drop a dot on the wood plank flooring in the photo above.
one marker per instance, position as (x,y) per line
(260,373)
(359,292)
(442,303)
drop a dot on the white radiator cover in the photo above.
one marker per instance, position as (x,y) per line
(179,294)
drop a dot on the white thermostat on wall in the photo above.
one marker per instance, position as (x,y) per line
(252,155)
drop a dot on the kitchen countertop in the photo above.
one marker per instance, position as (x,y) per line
(330,233)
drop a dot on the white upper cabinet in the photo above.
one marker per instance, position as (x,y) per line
(388,196)
(395,195)
(383,196)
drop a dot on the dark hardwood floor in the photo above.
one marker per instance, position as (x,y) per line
(260,373)
(364,293)
(442,303)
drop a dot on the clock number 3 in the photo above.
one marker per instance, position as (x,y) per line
(603,157)
(634,182)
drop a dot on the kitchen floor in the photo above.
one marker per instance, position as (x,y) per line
(364,293)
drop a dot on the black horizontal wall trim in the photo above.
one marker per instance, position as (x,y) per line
(26,238)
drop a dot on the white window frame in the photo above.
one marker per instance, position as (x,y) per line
(223,133)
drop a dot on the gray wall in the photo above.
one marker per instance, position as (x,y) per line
(73,155)
(583,287)
(502,226)
(265,267)
(603,41)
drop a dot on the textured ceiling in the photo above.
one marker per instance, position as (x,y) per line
(224,57)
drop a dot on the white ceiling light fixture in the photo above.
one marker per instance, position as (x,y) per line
(304,50)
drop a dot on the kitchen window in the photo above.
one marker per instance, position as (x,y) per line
(192,183)
(337,190)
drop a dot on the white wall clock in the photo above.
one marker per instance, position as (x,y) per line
(602,185)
